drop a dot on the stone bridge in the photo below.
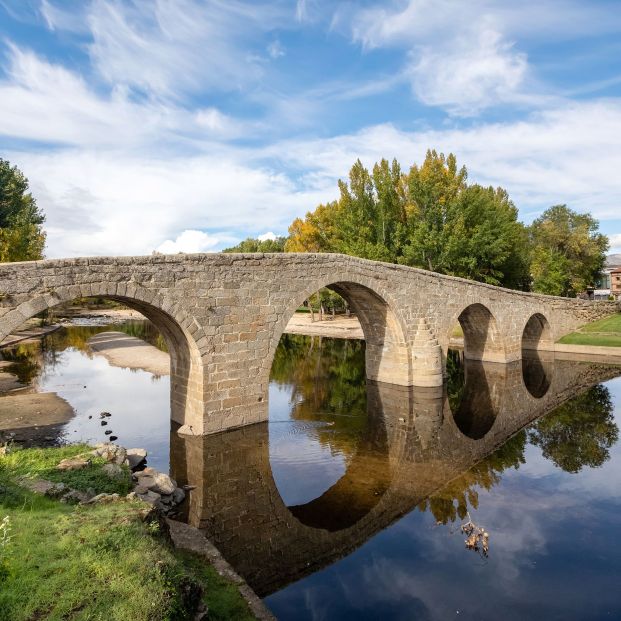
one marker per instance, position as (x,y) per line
(222,316)
(414,446)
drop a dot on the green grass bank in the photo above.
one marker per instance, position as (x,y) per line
(102,561)
(605,333)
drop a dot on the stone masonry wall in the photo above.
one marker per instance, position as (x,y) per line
(223,315)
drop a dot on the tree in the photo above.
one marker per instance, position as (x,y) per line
(568,252)
(21,234)
(258,245)
(429,218)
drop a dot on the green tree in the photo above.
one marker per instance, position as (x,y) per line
(257,245)
(21,234)
(429,218)
(580,432)
(568,251)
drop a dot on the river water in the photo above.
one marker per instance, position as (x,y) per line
(349,503)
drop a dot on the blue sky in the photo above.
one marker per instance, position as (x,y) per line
(186,125)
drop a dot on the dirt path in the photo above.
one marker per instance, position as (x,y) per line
(122,350)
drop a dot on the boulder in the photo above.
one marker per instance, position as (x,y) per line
(74,496)
(136,457)
(178,496)
(101,499)
(114,471)
(150,497)
(73,463)
(155,481)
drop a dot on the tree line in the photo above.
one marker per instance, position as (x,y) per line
(432,217)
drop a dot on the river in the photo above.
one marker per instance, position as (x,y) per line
(349,503)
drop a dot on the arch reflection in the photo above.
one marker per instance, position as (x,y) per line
(537,369)
(472,391)
(420,461)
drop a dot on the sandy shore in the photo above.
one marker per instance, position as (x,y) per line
(122,350)
(341,326)
(33,409)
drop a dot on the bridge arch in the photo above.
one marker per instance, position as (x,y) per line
(482,337)
(537,333)
(387,357)
(175,326)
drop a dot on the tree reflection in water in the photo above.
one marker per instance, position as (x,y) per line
(579,433)
(30,359)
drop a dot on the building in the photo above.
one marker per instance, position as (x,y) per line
(615,282)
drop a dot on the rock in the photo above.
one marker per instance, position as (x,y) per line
(150,497)
(167,499)
(114,471)
(101,499)
(73,463)
(110,452)
(147,472)
(74,496)
(178,496)
(131,496)
(136,457)
(163,484)
(108,432)
(38,486)
(57,490)
(141,489)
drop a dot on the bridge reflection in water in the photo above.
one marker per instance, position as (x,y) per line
(416,441)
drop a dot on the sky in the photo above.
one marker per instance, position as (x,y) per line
(187,125)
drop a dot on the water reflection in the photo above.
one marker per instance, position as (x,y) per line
(62,363)
(537,369)
(405,451)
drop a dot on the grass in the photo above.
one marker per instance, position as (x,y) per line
(604,332)
(94,562)
(41,464)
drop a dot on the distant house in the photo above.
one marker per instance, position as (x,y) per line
(615,282)
(609,282)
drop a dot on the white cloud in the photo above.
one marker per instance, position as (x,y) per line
(463,56)
(168,47)
(31,108)
(266,236)
(189,241)
(109,202)
(615,242)
(472,74)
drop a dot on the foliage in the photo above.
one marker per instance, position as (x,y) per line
(579,433)
(568,252)
(96,562)
(21,233)
(429,218)
(327,383)
(257,245)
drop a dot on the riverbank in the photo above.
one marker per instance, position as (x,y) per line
(338,327)
(98,561)
(28,334)
(603,333)
(122,350)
